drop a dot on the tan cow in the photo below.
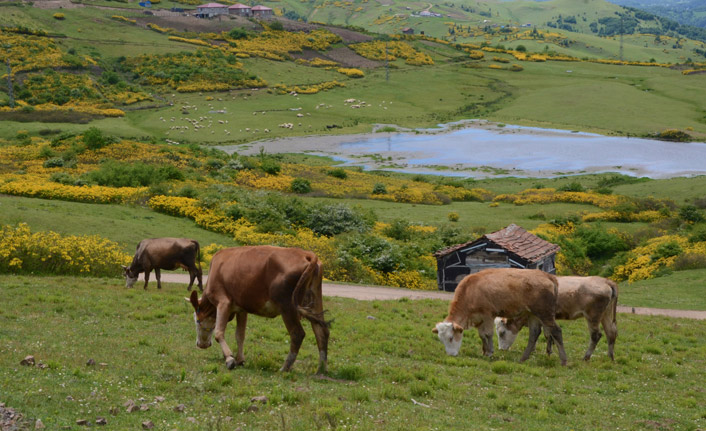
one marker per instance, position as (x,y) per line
(594,298)
(164,253)
(266,281)
(502,292)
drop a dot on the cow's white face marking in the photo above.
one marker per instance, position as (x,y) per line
(505,336)
(450,337)
(204,331)
(130,281)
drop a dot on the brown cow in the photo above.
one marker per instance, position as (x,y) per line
(506,292)
(594,298)
(164,253)
(266,281)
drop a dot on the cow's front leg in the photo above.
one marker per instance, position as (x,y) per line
(158,276)
(241,321)
(296,336)
(147,277)
(222,314)
(485,331)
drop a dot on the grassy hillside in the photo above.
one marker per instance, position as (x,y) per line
(142,344)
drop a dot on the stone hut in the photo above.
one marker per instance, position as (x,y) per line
(512,247)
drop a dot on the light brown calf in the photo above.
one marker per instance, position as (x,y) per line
(594,298)
(519,293)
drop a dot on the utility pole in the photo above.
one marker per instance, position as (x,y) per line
(387,65)
(621,37)
(9,83)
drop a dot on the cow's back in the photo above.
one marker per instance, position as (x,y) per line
(578,295)
(506,291)
(167,252)
(253,275)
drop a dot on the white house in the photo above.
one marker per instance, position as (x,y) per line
(209,10)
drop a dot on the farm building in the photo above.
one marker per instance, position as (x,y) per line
(240,10)
(262,11)
(512,247)
(407,30)
(209,10)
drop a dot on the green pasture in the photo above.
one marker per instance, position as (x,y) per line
(681,290)
(126,225)
(385,366)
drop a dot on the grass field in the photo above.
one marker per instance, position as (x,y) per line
(382,356)
(682,290)
(122,224)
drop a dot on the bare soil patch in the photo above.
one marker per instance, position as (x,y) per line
(12,420)
(56,4)
(348,57)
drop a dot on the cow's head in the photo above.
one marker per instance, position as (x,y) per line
(130,277)
(204,324)
(451,334)
(506,333)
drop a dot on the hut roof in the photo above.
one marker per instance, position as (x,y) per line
(210,5)
(260,7)
(239,6)
(515,240)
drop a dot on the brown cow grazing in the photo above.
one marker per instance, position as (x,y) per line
(164,253)
(508,292)
(266,281)
(594,298)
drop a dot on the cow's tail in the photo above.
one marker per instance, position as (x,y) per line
(310,281)
(614,297)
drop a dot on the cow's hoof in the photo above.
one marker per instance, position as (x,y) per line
(230,363)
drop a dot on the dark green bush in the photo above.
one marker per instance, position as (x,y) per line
(118,174)
(690,213)
(374,251)
(573,186)
(300,185)
(335,219)
(399,230)
(93,138)
(338,173)
(379,189)
(54,162)
(668,249)
(270,166)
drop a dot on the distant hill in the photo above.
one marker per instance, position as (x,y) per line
(685,12)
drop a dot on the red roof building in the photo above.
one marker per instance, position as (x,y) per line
(512,247)
(240,9)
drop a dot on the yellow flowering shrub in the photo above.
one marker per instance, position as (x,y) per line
(22,251)
(191,41)
(644,262)
(550,195)
(123,19)
(642,216)
(30,52)
(380,50)
(37,188)
(308,89)
(350,72)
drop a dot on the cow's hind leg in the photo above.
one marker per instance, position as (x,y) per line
(595,331)
(321,331)
(535,328)
(611,332)
(550,342)
(241,321)
(222,314)
(296,336)
(158,276)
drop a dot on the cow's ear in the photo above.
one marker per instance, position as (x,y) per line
(194,299)
(435,330)
(457,327)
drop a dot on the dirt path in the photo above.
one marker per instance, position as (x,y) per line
(370,293)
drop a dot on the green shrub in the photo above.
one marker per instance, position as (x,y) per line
(335,219)
(374,251)
(667,249)
(118,174)
(93,139)
(338,173)
(270,166)
(453,216)
(54,162)
(399,230)
(300,185)
(573,186)
(188,191)
(379,189)
(690,213)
